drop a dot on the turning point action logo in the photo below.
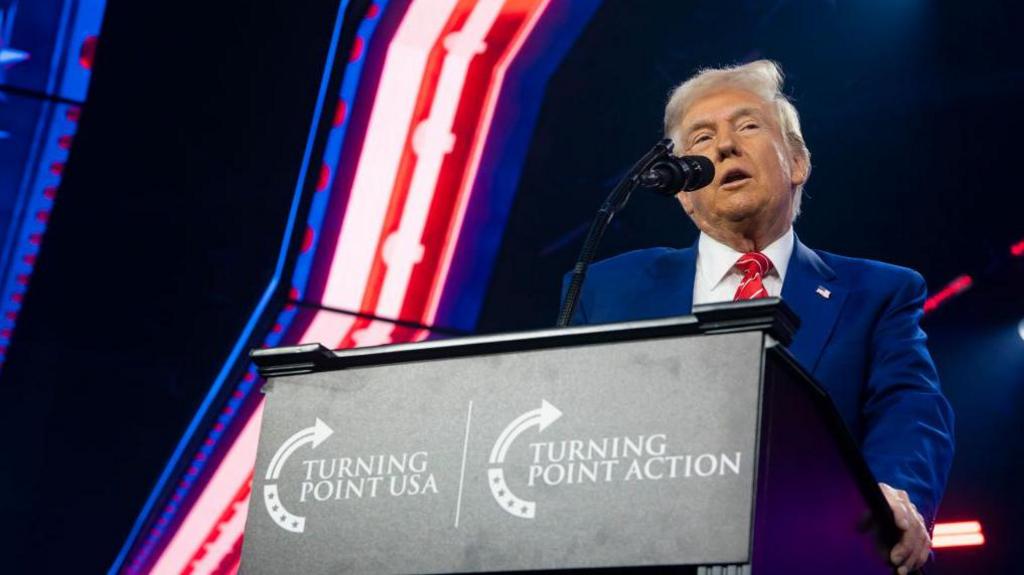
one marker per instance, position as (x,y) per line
(542,418)
(567,463)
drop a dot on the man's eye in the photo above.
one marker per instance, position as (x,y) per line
(749,126)
(701,138)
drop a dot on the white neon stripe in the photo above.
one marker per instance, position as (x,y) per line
(231,474)
(486,121)
(957,528)
(382,151)
(432,141)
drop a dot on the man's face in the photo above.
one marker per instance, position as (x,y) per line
(755,172)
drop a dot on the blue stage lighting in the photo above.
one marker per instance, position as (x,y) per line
(1020,329)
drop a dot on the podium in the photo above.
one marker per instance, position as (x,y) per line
(693,444)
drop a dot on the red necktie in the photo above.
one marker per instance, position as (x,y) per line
(754,266)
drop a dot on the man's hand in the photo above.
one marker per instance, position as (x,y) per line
(914,546)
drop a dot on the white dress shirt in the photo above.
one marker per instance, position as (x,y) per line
(717,277)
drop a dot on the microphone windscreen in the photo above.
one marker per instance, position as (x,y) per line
(702,172)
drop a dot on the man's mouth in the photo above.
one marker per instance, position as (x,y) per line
(734,178)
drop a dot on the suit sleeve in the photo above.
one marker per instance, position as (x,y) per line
(909,423)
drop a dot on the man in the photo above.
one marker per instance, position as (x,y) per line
(860,334)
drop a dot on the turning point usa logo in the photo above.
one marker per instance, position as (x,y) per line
(342,478)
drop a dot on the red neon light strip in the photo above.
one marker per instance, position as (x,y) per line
(953,289)
(386,132)
(433,143)
(957,528)
(482,86)
(962,284)
(435,166)
(428,139)
(967,540)
(531,11)
(957,534)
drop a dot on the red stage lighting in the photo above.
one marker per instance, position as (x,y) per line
(958,534)
(953,289)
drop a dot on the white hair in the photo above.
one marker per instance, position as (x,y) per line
(761,77)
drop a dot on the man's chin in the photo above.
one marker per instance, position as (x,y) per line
(739,214)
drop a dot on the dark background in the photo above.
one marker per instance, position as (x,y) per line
(175,198)
(164,235)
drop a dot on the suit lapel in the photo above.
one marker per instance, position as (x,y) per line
(672,292)
(811,289)
(814,292)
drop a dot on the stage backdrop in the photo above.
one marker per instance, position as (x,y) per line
(365,172)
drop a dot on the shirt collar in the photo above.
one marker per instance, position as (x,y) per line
(715,259)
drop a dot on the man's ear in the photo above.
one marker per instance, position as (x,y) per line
(800,168)
(687,201)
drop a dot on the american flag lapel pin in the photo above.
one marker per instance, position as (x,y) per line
(824,292)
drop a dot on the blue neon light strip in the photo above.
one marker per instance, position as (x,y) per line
(332,152)
(243,341)
(74,83)
(53,32)
(35,201)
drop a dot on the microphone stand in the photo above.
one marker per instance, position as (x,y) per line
(615,201)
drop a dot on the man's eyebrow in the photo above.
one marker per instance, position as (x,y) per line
(738,113)
(744,112)
(699,126)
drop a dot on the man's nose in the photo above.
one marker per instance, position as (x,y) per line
(727,145)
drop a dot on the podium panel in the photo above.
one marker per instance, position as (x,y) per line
(618,454)
(694,442)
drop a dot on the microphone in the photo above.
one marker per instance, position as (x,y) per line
(673,174)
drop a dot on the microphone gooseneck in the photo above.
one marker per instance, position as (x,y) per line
(659,170)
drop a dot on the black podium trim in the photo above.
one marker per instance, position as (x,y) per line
(771,315)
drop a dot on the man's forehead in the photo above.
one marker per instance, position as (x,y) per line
(725,104)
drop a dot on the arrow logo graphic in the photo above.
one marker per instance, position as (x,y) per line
(314,435)
(542,418)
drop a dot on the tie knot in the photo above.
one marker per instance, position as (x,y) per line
(754,262)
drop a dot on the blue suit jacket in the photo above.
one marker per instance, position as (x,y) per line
(863,344)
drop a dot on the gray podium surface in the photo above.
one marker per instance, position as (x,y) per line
(694,442)
(629,453)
